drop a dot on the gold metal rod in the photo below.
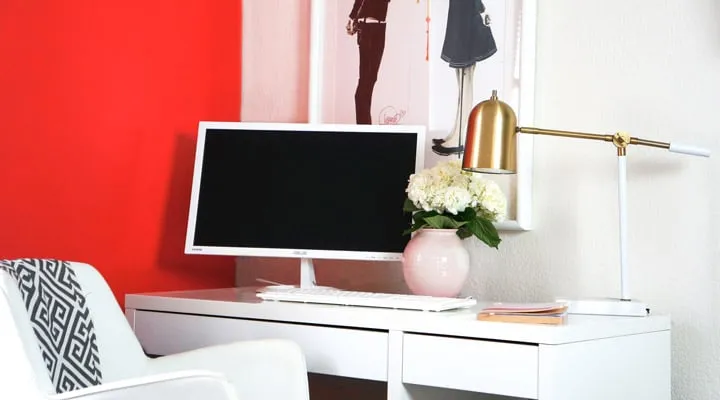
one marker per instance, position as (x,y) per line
(578,135)
(594,136)
(651,143)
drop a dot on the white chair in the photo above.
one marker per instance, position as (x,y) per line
(262,369)
(17,378)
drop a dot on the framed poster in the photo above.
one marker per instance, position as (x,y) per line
(427,62)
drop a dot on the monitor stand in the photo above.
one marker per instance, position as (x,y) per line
(307,273)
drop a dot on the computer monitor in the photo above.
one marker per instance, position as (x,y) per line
(307,191)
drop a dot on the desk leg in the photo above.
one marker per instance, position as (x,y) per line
(396,390)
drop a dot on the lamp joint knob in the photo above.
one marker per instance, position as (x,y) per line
(621,140)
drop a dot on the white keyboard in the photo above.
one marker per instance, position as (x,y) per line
(363,299)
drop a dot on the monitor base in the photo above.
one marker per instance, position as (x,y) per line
(307,273)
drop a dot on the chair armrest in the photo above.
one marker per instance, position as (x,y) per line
(268,369)
(181,385)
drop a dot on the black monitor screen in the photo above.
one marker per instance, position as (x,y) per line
(314,190)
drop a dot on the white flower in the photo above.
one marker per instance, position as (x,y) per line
(447,188)
(454,199)
(492,199)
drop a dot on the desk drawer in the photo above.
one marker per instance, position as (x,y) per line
(336,351)
(475,365)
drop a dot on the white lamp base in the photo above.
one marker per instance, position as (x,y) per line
(607,306)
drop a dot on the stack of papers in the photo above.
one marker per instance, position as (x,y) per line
(531,313)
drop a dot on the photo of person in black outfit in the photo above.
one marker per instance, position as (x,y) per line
(468,40)
(367,20)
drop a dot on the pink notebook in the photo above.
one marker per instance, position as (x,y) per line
(525,308)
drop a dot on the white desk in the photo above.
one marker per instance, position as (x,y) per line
(589,358)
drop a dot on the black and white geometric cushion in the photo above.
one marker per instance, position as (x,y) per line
(60,320)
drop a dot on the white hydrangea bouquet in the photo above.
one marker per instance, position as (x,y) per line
(446,197)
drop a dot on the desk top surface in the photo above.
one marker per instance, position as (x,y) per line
(243,303)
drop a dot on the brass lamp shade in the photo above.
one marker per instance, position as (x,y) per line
(491,141)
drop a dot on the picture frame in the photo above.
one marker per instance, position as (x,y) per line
(416,84)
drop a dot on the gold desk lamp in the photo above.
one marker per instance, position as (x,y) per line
(491,147)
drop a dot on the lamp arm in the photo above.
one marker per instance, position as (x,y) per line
(620,140)
(553,132)
(651,143)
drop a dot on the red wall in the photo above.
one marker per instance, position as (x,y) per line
(99,104)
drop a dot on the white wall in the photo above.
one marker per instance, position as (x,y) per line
(652,68)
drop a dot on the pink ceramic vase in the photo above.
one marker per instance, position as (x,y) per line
(435,263)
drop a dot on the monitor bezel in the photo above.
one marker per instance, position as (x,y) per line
(204,126)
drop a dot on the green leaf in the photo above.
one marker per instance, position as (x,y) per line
(443,222)
(484,230)
(421,215)
(468,214)
(409,206)
(464,232)
(417,225)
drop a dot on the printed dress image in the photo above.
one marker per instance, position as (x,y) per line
(425,62)
(468,40)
